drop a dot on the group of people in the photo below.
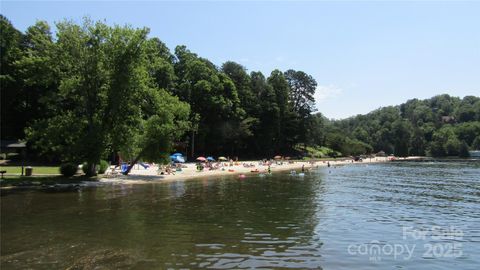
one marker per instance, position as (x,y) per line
(167,169)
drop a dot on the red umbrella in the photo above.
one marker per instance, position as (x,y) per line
(201,159)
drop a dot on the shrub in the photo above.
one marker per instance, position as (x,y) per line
(68,169)
(103,166)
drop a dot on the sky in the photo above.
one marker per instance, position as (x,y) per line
(363,55)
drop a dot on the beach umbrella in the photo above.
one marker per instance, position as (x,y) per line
(177,157)
(201,158)
(222,158)
(210,159)
(277,157)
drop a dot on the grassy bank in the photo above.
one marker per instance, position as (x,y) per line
(36,169)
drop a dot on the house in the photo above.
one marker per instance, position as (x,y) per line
(448,119)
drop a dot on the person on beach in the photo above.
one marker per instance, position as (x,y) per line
(328,164)
(169,170)
(303,168)
(269,170)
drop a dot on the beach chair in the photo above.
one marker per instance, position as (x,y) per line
(111,173)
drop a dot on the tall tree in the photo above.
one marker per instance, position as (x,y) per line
(212,96)
(266,132)
(13,109)
(107,99)
(287,129)
(302,89)
(237,73)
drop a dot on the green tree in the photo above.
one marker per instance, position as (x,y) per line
(107,99)
(417,142)
(463,151)
(160,64)
(401,133)
(213,96)
(476,143)
(445,142)
(302,89)
(466,111)
(167,122)
(238,74)
(287,129)
(13,110)
(267,130)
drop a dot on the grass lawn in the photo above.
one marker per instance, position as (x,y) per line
(36,169)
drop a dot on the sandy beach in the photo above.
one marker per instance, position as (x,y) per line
(141,175)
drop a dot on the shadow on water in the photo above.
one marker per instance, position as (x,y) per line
(219,223)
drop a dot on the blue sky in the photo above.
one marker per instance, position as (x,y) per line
(364,55)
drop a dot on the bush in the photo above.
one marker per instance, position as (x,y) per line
(100,168)
(103,166)
(68,169)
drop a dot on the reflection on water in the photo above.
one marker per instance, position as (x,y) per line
(272,222)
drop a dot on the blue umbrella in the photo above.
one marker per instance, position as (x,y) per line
(177,158)
(210,159)
(177,154)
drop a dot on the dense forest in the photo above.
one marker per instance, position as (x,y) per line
(439,126)
(93,90)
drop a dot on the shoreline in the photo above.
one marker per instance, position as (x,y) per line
(139,175)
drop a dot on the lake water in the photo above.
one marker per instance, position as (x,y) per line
(385,216)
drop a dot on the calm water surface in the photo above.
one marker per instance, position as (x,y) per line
(352,217)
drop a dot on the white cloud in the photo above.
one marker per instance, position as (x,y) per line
(324,92)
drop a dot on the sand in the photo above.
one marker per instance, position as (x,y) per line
(141,175)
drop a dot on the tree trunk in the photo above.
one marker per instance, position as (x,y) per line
(193,144)
(133,164)
(92,169)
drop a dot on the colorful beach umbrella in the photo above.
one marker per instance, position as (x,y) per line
(277,157)
(201,158)
(210,159)
(222,158)
(177,154)
(177,158)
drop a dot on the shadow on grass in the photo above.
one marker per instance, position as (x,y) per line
(44,180)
